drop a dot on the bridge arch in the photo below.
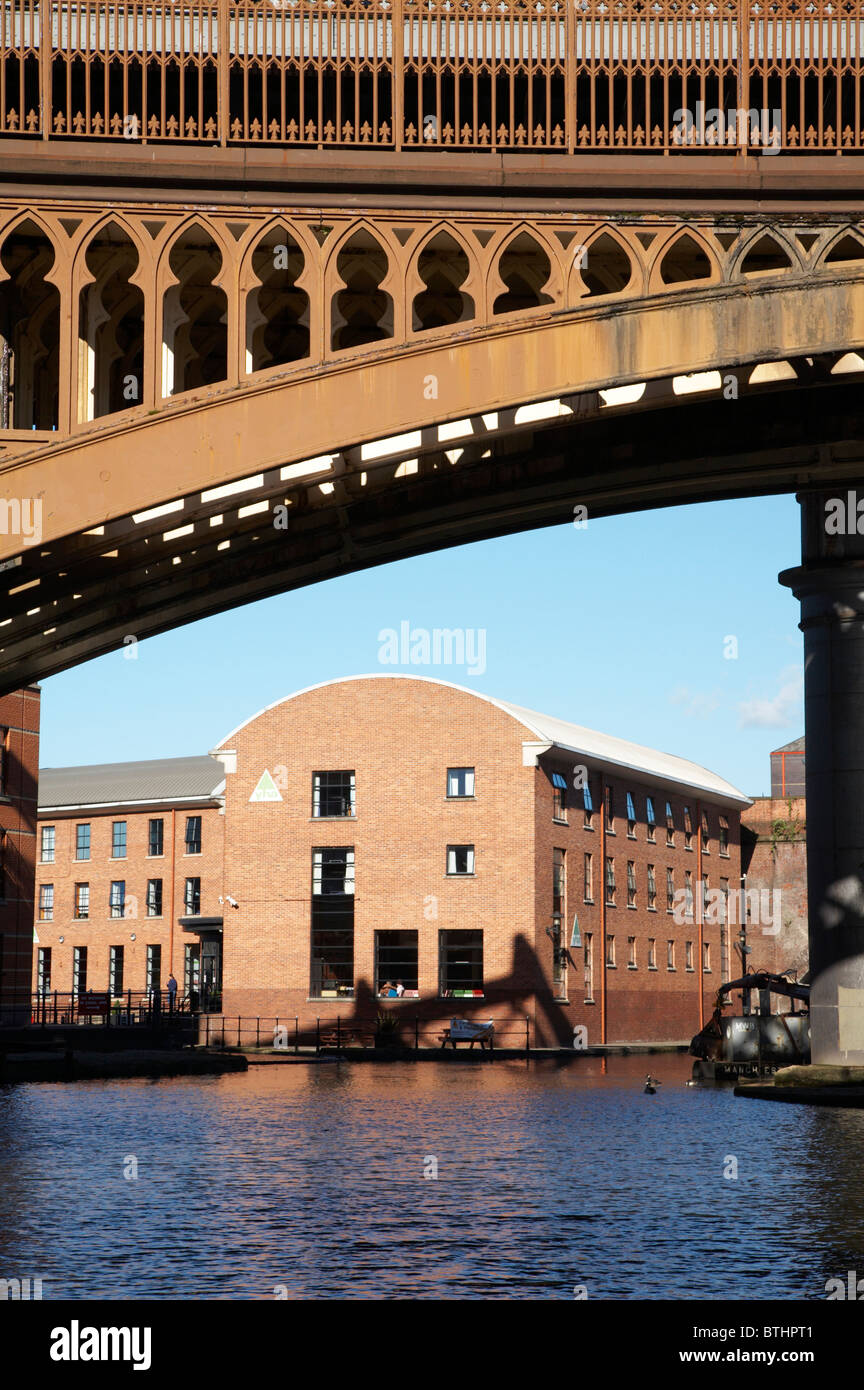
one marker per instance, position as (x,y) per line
(525,269)
(687,244)
(469,287)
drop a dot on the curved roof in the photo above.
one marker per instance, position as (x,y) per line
(545,728)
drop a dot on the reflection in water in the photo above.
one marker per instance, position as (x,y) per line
(549,1176)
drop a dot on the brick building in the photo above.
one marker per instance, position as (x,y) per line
(774,860)
(129,856)
(19,767)
(384,829)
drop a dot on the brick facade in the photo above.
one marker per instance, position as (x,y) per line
(774,858)
(19,767)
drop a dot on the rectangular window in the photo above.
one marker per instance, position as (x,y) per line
(631,883)
(460,859)
(460,963)
(631,816)
(332,941)
(117,899)
(706,834)
(79,969)
(610,882)
(588,893)
(724,836)
(191,897)
(156,838)
(588,804)
(396,963)
(82,900)
(115,971)
(706,957)
(4,759)
(652,888)
(670,955)
(43,970)
(631,953)
(154,897)
(82,842)
(688,893)
(589,966)
(670,825)
(670,890)
(650,817)
(460,781)
(154,969)
(558,883)
(333,794)
(559,798)
(193,834)
(47,850)
(688,828)
(688,955)
(46,902)
(118,839)
(192,973)
(610,810)
(703,898)
(610,951)
(652,953)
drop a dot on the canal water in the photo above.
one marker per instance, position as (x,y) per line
(311,1181)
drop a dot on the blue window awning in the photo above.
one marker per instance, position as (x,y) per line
(559,781)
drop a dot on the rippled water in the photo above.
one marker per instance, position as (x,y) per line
(311,1177)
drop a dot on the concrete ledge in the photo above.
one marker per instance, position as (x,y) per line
(81,1066)
(811,1085)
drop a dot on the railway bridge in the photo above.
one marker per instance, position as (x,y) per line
(289,288)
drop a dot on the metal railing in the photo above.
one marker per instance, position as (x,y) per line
(287,1034)
(133,1008)
(553,75)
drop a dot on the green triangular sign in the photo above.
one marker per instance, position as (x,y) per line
(266,789)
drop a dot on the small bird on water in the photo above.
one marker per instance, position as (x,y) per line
(651,1084)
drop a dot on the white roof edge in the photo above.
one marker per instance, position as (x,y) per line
(543,732)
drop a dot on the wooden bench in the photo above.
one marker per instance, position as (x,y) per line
(344,1036)
(483,1038)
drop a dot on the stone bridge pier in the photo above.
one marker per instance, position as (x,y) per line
(829,584)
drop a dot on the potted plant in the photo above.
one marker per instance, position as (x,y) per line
(386,1029)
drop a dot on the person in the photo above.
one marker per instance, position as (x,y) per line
(171,986)
(400,989)
(384,992)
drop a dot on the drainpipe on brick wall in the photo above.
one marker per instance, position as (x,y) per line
(700,914)
(171,928)
(602,909)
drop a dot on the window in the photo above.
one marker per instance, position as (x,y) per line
(688,955)
(191,897)
(154,897)
(396,960)
(558,882)
(588,893)
(193,834)
(79,969)
(631,817)
(115,971)
(724,930)
(652,953)
(631,883)
(706,957)
(559,887)
(460,963)
(610,952)
(82,901)
(117,899)
(670,825)
(670,890)
(82,842)
(670,955)
(703,899)
(688,893)
(4,848)
(191,972)
(460,781)
(610,882)
(706,834)
(652,889)
(332,939)
(688,828)
(559,798)
(650,817)
(4,759)
(333,794)
(46,902)
(610,810)
(46,853)
(724,836)
(588,805)
(589,967)
(118,839)
(154,969)
(43,970)
(155,839)
(460,859)
(631,953)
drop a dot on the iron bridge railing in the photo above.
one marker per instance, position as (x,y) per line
(559,76)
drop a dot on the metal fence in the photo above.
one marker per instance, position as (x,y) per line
(134,1008)
(669,76)
(336,1034)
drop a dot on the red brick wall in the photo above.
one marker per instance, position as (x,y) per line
(19,714)
(100,931)
(775,861)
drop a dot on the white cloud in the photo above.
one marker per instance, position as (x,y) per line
(778,711)
(697,704)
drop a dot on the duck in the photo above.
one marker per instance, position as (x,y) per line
(651,1084)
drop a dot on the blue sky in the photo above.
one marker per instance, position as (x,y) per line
(621,626)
